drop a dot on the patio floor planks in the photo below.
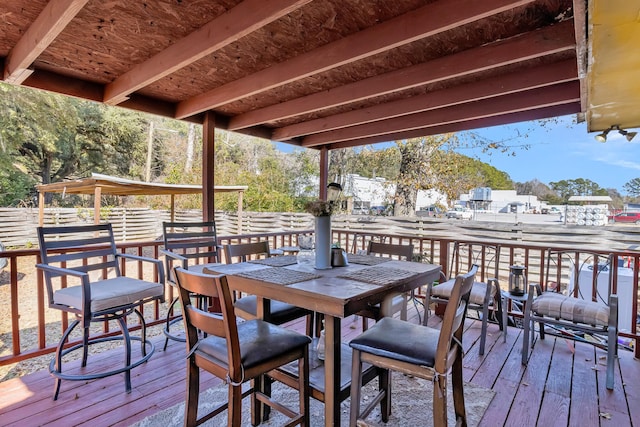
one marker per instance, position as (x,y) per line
(563,385)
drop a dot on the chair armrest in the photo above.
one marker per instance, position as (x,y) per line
(59,271)
(157,262)
(175,256)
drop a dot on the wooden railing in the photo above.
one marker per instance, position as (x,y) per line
(23,296)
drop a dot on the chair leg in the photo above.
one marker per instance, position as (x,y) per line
(405,305)
(385,403)
(235,406)
(356,384)
(57,361)
(612,346)
(458,390)
(483,332)
(85,345)
(126,338)
(303,387)
(440,401)
(168,322)
(193,392)
(525,338)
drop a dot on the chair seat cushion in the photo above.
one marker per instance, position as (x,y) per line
(110,293)
(559,306)
(260,341)
(478,291)
(399,340)
(280,312)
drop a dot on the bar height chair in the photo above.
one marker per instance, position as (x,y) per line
(393,303)
(238,352)
(192,246)
(485,295)
(247,306)
(396,345)
(72,254)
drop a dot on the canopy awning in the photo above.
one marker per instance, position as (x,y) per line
(99,184)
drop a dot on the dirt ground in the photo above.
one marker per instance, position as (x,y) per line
(28,321)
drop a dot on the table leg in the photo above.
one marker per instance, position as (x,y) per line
(332,363)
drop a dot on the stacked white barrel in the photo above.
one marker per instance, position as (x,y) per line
(590,216)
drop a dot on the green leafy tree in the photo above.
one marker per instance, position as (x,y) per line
(576,187)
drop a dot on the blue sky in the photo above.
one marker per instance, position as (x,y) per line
(559,149)
(562,150)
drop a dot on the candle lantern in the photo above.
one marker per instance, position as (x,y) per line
(517,280)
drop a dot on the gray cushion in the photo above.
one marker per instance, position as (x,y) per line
(110,293)
(478,291)
(559,306)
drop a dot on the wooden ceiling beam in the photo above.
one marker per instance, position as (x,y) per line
(535,98)
(238,22)
(55,16)
(548,41)
(535,114)
(517,81)
(427,21)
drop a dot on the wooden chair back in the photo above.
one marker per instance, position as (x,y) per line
(401,251)
(223,324)
(242,252)
(453,320)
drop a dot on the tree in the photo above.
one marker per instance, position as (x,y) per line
(576,187)
(632,187)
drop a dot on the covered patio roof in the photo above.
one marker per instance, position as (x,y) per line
(334,73)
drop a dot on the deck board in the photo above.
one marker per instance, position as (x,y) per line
(556,388)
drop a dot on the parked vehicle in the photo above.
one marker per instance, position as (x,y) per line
(459,213)
(431,211)
(379,210)
(628,217)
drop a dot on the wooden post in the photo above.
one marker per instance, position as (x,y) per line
(173,207)
(324,172)
(240,194)
(208,168)
(97,193)
(41,208)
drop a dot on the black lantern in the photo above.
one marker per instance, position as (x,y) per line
(517,280)
(333,191)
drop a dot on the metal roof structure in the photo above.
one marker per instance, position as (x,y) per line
(99,184)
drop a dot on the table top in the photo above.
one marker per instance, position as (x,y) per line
(340,291)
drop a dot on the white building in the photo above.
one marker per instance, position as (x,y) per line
(367,192)
(502,201)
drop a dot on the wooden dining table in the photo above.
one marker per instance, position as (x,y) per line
(337,293)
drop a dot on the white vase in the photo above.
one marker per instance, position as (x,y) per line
(323,242)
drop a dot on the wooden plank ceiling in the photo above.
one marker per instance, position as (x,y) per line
(321,73)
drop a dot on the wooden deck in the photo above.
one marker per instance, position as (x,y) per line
(559,387)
